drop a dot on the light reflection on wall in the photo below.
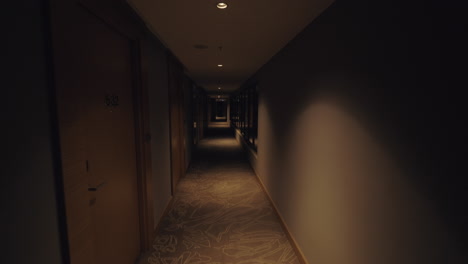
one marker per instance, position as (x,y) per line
(350,202)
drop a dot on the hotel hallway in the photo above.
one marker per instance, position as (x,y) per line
(220,214)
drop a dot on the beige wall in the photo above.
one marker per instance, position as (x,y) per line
(348,139)
(342,196)
(159,122)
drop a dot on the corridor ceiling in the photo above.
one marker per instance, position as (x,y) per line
(242,37)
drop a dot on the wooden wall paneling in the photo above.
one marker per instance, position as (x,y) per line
(143,138)
(181,122)
(197,106)
(173,131)
(175,97)
(201,116)
(181,117)
(202,104)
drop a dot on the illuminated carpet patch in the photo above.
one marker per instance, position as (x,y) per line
(220,214)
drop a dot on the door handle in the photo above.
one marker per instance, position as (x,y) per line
(96,188)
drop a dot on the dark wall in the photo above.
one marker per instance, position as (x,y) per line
(160,127)
(30,215)
(393,71)
(188,120)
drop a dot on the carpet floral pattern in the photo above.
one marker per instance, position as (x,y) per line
(220,214)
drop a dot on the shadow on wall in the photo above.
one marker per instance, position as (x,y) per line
(360,183)
(358,144)
(363,184)
(350,195)
(361,207)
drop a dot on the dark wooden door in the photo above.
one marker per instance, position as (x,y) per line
(94,84)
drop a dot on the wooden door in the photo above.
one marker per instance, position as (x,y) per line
(94,84)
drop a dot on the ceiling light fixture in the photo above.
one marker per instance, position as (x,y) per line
(219,88)
(221,5)
(220,65)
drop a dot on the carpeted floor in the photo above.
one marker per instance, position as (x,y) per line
(220,214)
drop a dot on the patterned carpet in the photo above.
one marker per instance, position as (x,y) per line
(220,214)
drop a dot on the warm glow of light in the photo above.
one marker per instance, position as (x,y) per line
(220,65)
(221,5)
(219,88)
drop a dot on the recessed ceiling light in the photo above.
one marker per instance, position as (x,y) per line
(220,65)
(221,5)
(219,88)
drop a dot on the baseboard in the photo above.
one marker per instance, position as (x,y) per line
(164,214)
(253,155)
(293,242)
